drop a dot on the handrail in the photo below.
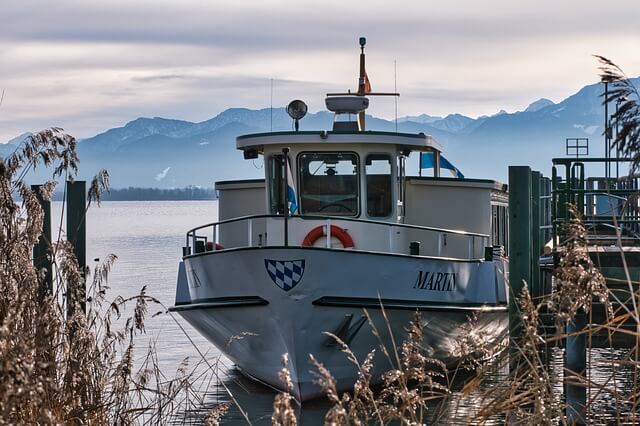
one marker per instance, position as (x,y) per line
(608,194)
(574,187)
(347,219)
(565,160)
(191,233)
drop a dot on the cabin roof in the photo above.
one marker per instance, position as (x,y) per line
(412,141)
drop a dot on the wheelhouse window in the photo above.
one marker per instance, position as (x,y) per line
(499,226)
(379,185)
(329,183)
(276,202)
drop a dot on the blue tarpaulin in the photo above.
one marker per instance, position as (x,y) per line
(427,162)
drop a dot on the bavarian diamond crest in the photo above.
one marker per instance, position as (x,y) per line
(286,274)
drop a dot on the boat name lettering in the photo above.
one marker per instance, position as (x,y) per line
(436,281)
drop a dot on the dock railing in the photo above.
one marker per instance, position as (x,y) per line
(396,239)
(604,202)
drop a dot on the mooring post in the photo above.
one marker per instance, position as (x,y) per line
(77,235)
(575,389)
(519,252)
(41,251)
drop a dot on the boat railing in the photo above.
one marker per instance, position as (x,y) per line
(471,245)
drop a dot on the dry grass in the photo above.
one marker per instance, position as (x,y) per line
(81,369)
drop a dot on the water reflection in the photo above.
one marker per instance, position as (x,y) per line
(460,407)
(257,400)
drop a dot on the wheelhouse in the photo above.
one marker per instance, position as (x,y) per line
(350,175)
(349,190)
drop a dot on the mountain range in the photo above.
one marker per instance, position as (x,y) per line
(167,153)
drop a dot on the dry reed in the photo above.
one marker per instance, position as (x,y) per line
(78,369)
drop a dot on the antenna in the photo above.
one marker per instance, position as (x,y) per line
(395,89)
(271,105)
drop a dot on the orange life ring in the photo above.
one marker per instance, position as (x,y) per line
(210,246)
(336,231)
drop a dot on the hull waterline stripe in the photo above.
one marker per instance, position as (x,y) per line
(219,302)
(371,303)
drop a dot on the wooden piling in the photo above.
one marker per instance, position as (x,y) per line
(42,250)
(77,235)
(575,360)
(520,257)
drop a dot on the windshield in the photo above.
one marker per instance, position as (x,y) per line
(379,184)
(329,183)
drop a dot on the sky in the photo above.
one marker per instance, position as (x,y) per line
(91,65)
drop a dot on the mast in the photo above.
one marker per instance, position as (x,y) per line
(363,82)
(364,88)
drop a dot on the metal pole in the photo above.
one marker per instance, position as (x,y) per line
(328,233)
(519,252)
(606,129)
(362,83)
(41,252)
(617,142)
(536,284)
(285,193)
(77,235)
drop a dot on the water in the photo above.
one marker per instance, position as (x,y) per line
(147,238)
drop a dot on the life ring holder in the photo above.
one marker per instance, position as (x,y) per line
(336,231)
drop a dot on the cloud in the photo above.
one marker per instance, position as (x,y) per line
(163,174)
(89,66)
(159,77)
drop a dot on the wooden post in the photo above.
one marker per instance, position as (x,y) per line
(575,367)
(41,251)
(519,251)
(77,235)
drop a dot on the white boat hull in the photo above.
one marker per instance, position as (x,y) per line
(255,304)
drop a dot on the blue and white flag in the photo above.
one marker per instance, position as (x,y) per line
(427,162)
(291,191)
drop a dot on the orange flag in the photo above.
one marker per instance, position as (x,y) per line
(367,84)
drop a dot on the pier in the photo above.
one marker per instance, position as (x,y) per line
(595,219)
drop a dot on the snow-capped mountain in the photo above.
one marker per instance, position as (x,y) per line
(538,105)
(422,118)
(173,153)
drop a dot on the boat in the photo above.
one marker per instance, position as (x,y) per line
(335,229)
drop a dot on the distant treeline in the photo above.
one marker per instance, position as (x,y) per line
(154,194)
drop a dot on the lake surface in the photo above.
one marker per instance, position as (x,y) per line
(148,237)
